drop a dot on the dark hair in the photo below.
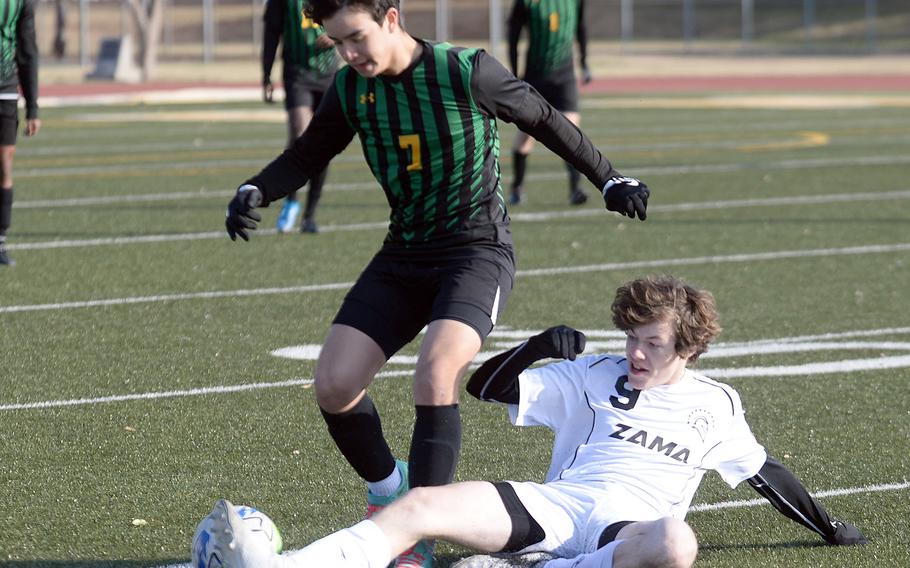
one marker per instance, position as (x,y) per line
(319,10)
(692,312)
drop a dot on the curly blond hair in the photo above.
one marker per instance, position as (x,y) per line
(668,298)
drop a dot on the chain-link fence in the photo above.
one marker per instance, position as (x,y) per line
(207,30)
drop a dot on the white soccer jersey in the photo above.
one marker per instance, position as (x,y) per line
(654,446)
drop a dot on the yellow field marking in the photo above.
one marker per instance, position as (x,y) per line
(782,102)
(144,169)
(164,158)
(148,173)
(807,139)
(240,115)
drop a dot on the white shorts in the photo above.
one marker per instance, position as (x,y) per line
(573,516)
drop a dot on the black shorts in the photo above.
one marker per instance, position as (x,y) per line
(526,531)
(303,88)
(9,122)
(559,89)
(396,296)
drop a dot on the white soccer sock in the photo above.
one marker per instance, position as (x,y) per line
(600,558)
(387,486)
(362,546)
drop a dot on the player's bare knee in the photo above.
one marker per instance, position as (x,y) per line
(335,391)
(416,505)
(436,382)
(678,545)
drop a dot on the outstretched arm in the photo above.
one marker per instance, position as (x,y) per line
(327,135)
(778,485)
(497,379)
(501,94)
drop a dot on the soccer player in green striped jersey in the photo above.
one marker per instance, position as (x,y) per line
(426,115)
(549,68)
(309,62)
(18,69)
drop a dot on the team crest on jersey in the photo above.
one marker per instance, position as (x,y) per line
(368,98)
(701,421)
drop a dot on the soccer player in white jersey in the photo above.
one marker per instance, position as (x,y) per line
(634,435)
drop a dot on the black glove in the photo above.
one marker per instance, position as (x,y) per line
(560,342)
(241,212)
(627,195)
(586,75)
(845,534)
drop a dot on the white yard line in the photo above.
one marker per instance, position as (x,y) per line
(506,338)
(380,225)
(175,297)
(719,259)
(843,366)
(828,493)
(224,389)
(641,171)
(698,260)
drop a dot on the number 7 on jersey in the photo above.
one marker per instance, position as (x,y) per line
(411,144)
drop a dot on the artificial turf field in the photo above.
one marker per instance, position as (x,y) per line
(138,380)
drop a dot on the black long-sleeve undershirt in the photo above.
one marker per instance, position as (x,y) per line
(581,35)
(25,73)
(497,379)
(778,485)
(273,26)
(494,89)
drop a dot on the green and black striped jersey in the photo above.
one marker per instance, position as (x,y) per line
(285,22)
(19,53)
(428,144)
(430,138)
(552,26)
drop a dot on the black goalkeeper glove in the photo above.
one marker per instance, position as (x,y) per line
(845,534)
(241,212)
(560,342)
(626,195)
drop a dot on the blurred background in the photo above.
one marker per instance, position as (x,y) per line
(228,33)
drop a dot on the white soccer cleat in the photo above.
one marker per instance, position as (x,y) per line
(235,542)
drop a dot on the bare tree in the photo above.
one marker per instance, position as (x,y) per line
(149,18)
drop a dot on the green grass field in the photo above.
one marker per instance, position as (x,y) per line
(136,338)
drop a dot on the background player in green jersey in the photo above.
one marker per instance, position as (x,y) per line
(426,115)
(549,68)
(18,68)
(308,64)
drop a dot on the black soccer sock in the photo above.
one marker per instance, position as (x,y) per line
(358,434)
(6,210)
(435,445)
(519,165)
(574,178)
(313,195)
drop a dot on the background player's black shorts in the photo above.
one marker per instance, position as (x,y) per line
(9,122)
(395,297)
(559,89)
(303,87)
